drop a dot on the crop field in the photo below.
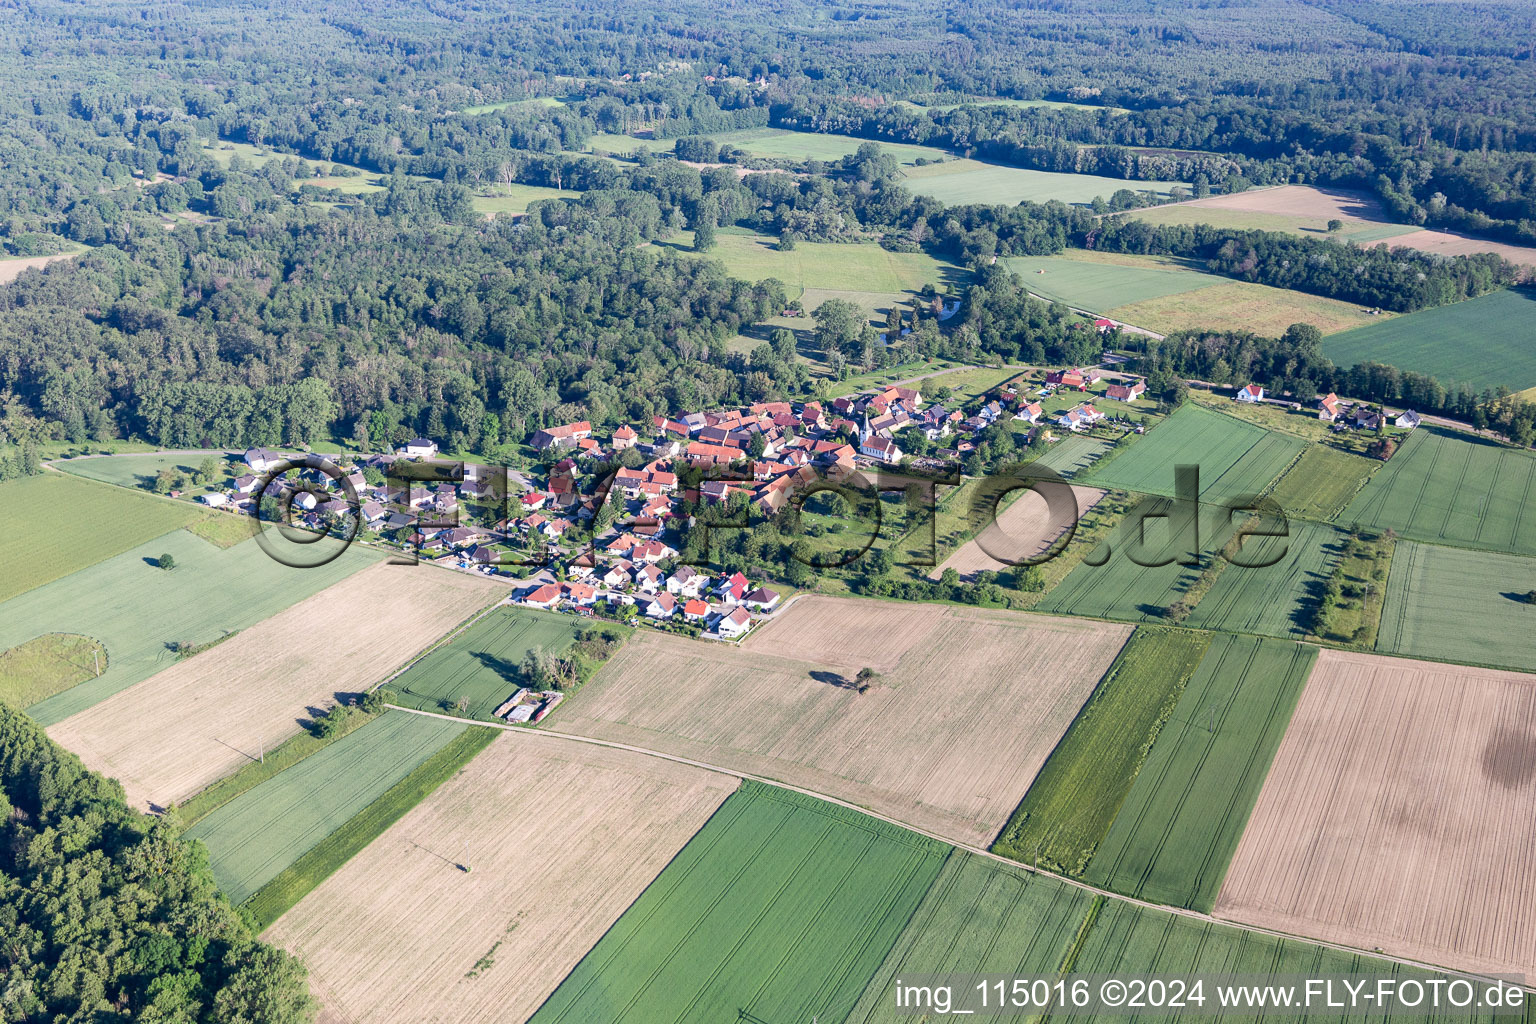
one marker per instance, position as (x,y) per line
(1072,455)
(1449,243)
(483,663)
(56,525)
(1076,796)
(1455,489)
(401,935)
(1095,280)
(1459,605)
(958,182)
(1482,342)
(1243,306)
(923,744)
(1176,831)
(1235,458)
(780,909)
(211,593)
(133,470)
(168,737)
(794,145)
(46,665)
(1399,814)
(1023,529)
(254,837)
(1297,209)
(12,267)
(1275,593)
(861,267)
(1323,482)
(980,917)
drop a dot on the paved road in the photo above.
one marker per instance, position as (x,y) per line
(977,850)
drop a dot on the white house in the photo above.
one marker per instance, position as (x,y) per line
(420,448)
(1251,393)
(259,459)
(734,623)
(661,606)
(762,599)
(1408,419)
(687,582)
(1030,412)
(1080,418)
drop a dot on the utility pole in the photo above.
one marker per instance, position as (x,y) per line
(97,655)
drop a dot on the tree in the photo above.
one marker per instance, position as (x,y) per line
(264,985)
(866,678)
(331,722)
(165,481)
(374,701)
(786,240)
(1335,226)
(166,561)
(207,470)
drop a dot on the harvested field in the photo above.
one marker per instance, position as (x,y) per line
(1459,605)
(957,182)
(171,735)
(561,838)
(780,909)
(1320,204)
(11,269)
(1400,814)
(1449,243)
(1450,488)
(925,744)
(1242,306)
(1021,530)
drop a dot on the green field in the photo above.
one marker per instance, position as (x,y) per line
(862,267)
(46,665)
(1458,605)
(1323,482)
(1355,230)
(1072,455)
(979,917)
(1450,488)
(1099,281)
(1482,342)
(514,199)
(1275,592)
(1179,826)
(1118,580)
(775,143)
(537,101)
(322,860)
(138,470)
(136,609)
(961,182)
(56,525)
(257,835)
(1235,458)
(482,662)
(781,907)
(1074,799)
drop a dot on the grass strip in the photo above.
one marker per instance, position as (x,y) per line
(275,898)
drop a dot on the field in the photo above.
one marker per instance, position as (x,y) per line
(254,837)
(514,199)
(1450,488)
(56,525)
(46,665)
(1094,280)
(173,734)
(536,101)
(1482,342)
(211,593)
(136,470)
(1177,828)
(958,182)
(925,744)
(1449,243)
(1459,605)
(1275,593)
(1021,530)
(1072,455)
(1077,794)
(560,838)
(1235,458)
(12,267)
(1296,209)
(1399,814)
(482,663)
(1323,482)
(1243,306)
(780,909)
(1120,578)
(979,917)
(794,145)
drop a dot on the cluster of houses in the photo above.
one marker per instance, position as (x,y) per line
(1360,415)
(722,608)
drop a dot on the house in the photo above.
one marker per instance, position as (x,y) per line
(695,610)
(649,578)
(1251,393)
(562,436)
(546,597)
(1408,419)
(687,581)
(1329,408)
(215,500)
(1126,392)
(881,449)
(624,437)
(372,512)
(1080,418)
(651,551)
(732,589)
(582,595)
(1030,412)
(761,599)
(1103,324)
(419,448)
(662,606)
(733,623)
(245,484)
(1365,419)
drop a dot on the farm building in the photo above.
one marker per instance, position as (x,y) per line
(562,436)
(1126,392)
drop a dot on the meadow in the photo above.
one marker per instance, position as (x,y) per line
(1093,280)
(46,665)
(1323,482)
(859,267)
(1072,802)
(451,915)
(1482,342)
(1176,830)
(139,471)
(1235,458)
(826,146)
(514,199)
(481,665)
(1459,605)
(1451,488)
(137,611)
(1275,593)
(786,705)
(1072,455)
(781,908)
(254,837)
(57,525)
(1242,306)
(958,182)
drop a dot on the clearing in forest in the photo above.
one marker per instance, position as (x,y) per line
(965,708)
(1400,814)
(559,838)
(171,735)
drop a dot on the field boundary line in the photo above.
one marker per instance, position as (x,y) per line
(978,851)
